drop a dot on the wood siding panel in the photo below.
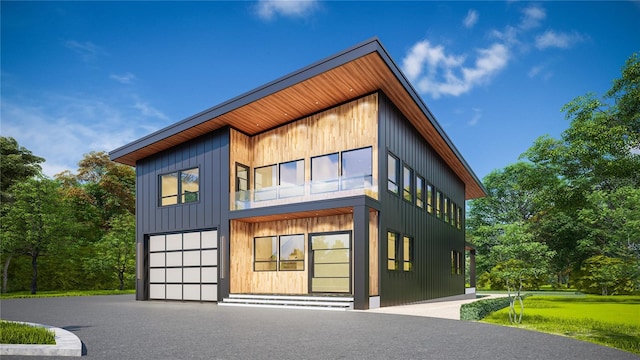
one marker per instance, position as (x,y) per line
(246,281)
(374,268)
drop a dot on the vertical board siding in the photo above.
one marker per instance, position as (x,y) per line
(374,268)
(242,277)
(433,238)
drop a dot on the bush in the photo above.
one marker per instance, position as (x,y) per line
(607,276)
(18,333)
(477,310)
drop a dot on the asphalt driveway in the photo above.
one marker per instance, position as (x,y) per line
(118,327)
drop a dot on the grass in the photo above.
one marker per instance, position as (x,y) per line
(606,320)
(18,333)
(61,293)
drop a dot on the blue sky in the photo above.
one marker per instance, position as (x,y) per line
(92,76)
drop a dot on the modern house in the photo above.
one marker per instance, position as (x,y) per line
(332,182)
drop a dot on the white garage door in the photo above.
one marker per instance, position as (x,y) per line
(184,266)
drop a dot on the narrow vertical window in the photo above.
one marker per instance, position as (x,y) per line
(242,182)
(264,182)
(357,170)
(429,198)
(291,178)
(392,251)
(265,256)
(407,183)
(420,191)
(189,185)
(458,263)
(325,173)
(453,262)
(445,209)
(393,170)
(407,253)
(459,218)
(169,189)
(452,214)
(438,204)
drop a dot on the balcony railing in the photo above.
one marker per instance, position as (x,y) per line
(310,191)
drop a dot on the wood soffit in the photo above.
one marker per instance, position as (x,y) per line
(348,80)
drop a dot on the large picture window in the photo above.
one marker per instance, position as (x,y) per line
(292,178)
(325,173)
(283,253)
(393,174)
(265,182)
(291,253)
(180,187)
(356,169)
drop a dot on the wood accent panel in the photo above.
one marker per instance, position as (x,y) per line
(374,236)
(242,277)
(347,81)
(299,215)
(239,151)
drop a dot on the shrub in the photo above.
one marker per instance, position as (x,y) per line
(18,333)
(477,310)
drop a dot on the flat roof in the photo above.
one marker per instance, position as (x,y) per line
(357,71)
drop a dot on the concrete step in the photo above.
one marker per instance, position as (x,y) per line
(335,303)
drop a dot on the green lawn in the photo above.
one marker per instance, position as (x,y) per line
(18,333)
(60,293)
(606,320)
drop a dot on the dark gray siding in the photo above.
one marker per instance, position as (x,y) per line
(210,153)
(433,238)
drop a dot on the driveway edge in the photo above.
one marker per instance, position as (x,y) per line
(67,344)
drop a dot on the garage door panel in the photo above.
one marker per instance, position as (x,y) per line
(183,266)
(209,257)
(191,275)
(191,258)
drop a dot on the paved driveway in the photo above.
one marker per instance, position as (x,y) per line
(118,327)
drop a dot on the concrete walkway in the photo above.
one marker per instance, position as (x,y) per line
(442,309)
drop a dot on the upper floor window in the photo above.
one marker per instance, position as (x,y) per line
(438,204)
(264,180)
(430,198)
(459,218)
(357,170)
(445,209)
(242,182)
(407,183)
(393,174)
(325,173)
(420,191)
(292,178)
(180,187)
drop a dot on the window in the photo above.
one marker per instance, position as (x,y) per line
(180,187)
(429,198)
(420,191)
(459,218)
(393,170)
(265,253)
(407,181)
(292,178)
(456,262)
(407,253)
(291,253)
(325,173)
(242,182)
(445,209)
(453,262)
(452,214)
(438,204)
(356,169)
(265,182)
(392,251)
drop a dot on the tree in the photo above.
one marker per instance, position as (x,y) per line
(36,221)
(116,249)
(17,164)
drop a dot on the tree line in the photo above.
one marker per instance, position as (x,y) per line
(568,212)
(75,231)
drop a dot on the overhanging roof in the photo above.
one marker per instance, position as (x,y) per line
(362,69)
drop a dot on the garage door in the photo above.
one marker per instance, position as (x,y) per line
(184,266)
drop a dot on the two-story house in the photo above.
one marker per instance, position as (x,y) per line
(332,182)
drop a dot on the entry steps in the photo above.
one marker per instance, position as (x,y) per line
(335,303)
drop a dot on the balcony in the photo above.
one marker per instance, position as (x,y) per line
(310,191)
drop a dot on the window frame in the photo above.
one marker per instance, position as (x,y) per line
(420,182)
(180,195)
(438,204)
(314,185)
(429,192)
(280,260)
(368,178)
(393,258)
(296,188)
(265,193)
(407,173)
(396,171)
(246,191)
(274,262)
(408,253)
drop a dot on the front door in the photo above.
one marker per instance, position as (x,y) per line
(330,262)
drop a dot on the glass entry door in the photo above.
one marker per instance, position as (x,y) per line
(330,263)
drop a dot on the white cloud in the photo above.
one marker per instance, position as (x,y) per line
(436,73)
(552,39)
(87,50)
(126,78)
(532,16)
(268,9)
(471,19)
(63,128)
(475,118)
(149,111)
